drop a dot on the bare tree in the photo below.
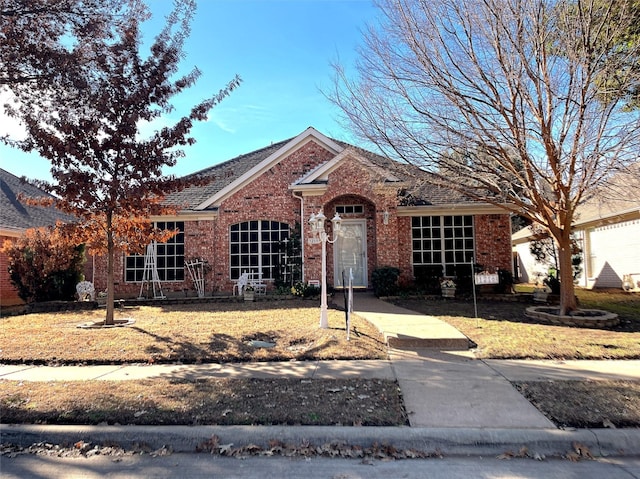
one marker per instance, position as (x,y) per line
(506,93)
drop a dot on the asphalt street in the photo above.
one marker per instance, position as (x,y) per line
(196,466)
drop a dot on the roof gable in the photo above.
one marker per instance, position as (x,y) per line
(310,134)
(321,173)
(219,177)
(225,179)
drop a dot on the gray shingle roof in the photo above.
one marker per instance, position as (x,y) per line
(220,176)
(16,214)
(416,190)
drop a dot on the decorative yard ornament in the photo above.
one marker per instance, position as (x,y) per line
(150,274)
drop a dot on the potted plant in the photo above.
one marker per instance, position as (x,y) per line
(448,288)
(249,293)
(540,293)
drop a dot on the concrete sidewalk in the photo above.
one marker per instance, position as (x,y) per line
(445,389)
(452,400)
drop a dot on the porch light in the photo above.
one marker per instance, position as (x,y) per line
(385,217)
(336,221)
(317,230)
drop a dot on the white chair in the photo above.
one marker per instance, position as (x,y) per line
(255,280)
(242,282)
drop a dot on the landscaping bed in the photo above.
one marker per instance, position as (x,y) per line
(327,402)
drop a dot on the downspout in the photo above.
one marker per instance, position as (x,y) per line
(302,222)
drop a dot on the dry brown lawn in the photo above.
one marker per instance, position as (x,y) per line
(586,404)
(213,332)
(502,331)
(217,332)
(221,332)
(160,401)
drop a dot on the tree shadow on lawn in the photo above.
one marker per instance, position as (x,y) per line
(493,311)
(220,348)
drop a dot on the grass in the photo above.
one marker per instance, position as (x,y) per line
(222,332)
(215,332)
(218,332)
(501,330)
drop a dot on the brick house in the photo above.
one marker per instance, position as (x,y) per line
(16,217)
(254,204)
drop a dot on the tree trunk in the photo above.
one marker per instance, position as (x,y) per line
(568,300)
(110,253)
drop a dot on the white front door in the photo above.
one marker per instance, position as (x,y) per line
(350,253)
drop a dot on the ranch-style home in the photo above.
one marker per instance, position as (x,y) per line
(253,216)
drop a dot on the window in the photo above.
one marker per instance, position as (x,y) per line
(169,257)
(349,209)
(257,246)
(442,240)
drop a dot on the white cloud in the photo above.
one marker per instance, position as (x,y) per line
(220,123)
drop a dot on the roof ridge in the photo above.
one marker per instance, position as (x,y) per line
(211,169)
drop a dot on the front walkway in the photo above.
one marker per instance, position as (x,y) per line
(442,385)
(403,328)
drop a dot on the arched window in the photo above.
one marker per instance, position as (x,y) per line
(257,246)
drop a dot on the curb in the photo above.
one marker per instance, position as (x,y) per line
(444,441)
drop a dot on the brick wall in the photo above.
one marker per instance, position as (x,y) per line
(405,256)
(350,184)
(268,198)
(493,241)
(8,294)
(197,236)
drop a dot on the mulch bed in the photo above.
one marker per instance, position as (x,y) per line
(586,404)
(353,402)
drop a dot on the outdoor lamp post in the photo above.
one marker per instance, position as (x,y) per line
(317,230)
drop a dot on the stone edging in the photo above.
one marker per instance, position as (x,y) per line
(604,320)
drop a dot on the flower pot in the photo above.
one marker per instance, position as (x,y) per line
(249,295)
(448,292)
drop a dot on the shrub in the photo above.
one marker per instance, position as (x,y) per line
(463,275)
(385,281)
(553,282)
(305,290)
(428,278)
(505,281)
(43,265)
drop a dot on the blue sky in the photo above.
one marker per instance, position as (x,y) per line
(282,49)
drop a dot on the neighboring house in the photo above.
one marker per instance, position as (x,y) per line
(255,203)
(16,217)
(607,228)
